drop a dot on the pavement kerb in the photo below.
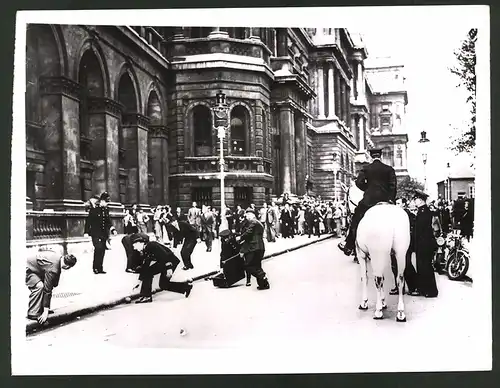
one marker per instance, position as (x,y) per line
(65,317)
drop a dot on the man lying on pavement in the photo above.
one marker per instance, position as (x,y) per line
(158,259)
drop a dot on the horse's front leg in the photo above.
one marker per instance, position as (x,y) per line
(382,294)
(363,270)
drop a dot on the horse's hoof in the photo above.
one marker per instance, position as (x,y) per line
(363,308)
(378,315)
(378,318)
(400,316)
(384,307)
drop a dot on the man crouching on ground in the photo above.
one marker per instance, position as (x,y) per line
(158,259)
(253,249)
(43,271)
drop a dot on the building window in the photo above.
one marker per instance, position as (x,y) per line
(239,130)
(202,196)
(243,196)
(202,129)
(472,192)
(461,194)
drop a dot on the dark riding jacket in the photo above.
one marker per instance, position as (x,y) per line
(378,181)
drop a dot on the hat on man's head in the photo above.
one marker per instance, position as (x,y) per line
(225,233)
(250,210)
(420,194)
(69,260)
(105,196)
(376,152)
(139,237)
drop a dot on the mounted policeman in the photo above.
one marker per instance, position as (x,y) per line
(378,181)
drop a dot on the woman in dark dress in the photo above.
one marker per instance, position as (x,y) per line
(425,245)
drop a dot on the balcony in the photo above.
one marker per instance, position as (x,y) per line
(233,164)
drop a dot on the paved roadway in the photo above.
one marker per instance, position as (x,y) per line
(313,297)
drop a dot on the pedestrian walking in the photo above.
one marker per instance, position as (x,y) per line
(98,225)
(43,271)
(271,221)
(157,215)
(158,259)
(130,226)
(207,227)
(142,220)
(194,217)
(253,248)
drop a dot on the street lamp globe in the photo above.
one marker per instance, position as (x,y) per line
(424,144)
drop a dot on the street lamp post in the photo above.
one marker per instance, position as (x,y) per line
(423,141)
(221,123)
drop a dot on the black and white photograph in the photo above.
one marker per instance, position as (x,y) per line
(298,190)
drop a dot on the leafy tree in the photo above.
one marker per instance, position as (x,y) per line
(465,70)
(406,187)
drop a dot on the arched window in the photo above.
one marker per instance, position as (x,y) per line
(202,129)
(239,129)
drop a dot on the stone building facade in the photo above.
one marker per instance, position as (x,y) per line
(129,110)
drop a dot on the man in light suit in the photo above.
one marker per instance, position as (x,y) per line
(43,271)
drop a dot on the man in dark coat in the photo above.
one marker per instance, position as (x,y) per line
(183,230)
(425,245)
(98,226)
(253,248)
(43,271)
(378,181)
(134,258)
(287,221)
(409,273)
(158,259)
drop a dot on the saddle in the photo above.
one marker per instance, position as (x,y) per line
(383,203)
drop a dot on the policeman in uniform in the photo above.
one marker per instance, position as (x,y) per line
(98,225)
(158,259)
(252,248)
(378,181)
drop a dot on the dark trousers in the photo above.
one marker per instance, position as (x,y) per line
(186,251)
(253,265)
(165,284)
(35,307)
(410,274)
(99,251)
(134,258)
(360,211)
(426,278)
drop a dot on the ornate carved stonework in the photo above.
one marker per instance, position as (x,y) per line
(132,119)
(104,105)
(60,85)
(158,131)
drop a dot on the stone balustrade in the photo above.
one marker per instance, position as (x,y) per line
(223,45)
(210,164)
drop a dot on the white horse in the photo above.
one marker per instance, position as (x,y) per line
(383,230)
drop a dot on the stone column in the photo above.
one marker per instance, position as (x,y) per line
(158,146)
(347,106)
(338,94)
(286,125)
(103,130)
(300,155)
(361,129)
(60,113)
(331,92)
(360,88)
(321,92)
(293,177)
(135,133)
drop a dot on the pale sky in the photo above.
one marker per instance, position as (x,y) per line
(434,101)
